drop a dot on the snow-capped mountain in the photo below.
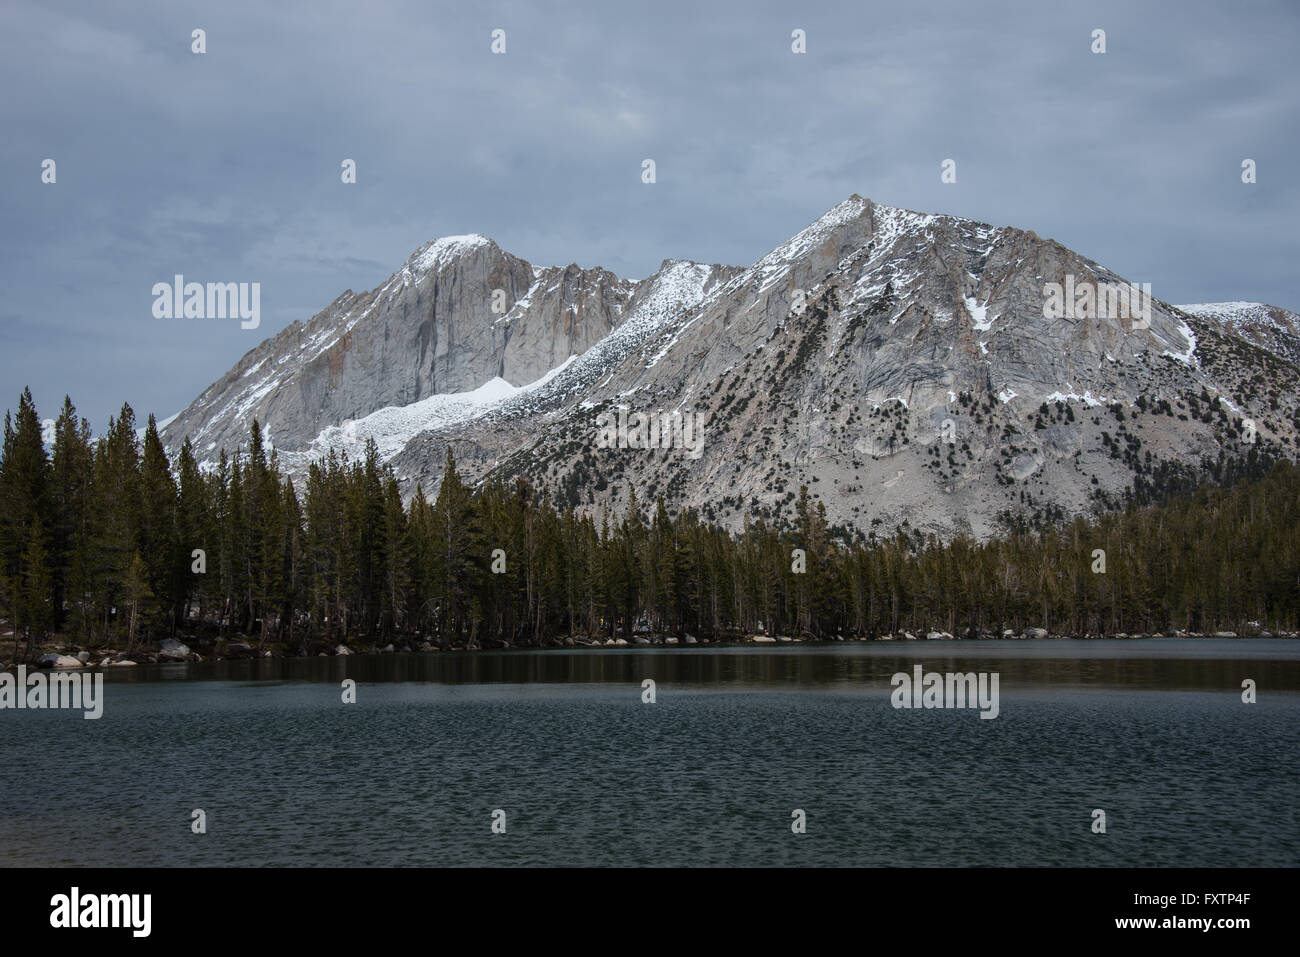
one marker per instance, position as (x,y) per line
(909,368)
(458,315)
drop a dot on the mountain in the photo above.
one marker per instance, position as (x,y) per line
(1269,327)
(913,370)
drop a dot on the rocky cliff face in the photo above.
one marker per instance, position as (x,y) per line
(459,313)
(913,370)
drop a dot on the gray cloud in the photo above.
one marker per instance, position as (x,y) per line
(226,166)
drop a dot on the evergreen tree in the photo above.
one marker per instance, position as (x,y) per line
(71,478)
(35,611)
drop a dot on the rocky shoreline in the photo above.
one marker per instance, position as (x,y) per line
(64,655)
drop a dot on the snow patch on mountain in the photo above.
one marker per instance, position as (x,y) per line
(1087,398)
(1188,356)
(978,315)
(776,264)
(394,426)
(1233,311)
(441,252)
(678,288)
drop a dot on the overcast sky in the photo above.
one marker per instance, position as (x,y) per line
(225,166)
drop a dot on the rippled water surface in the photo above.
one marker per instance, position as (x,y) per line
(1154,732)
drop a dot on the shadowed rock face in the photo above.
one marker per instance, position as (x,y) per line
(429,329)
(902,365)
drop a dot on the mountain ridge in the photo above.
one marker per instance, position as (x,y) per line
(899,363)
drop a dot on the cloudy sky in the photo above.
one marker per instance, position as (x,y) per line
(225,166)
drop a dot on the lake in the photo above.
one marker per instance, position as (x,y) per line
(1153,732)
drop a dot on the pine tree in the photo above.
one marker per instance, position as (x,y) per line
(396,558)
(71,477)
(459,554)
(24,487)
(293,564)
(194,531)
(35,602)
(115,516)
(138,596)
(158,529)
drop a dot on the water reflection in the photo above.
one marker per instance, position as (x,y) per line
(1274,664)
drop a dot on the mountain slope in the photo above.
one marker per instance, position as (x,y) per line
(430,329)
(1269,327)
(902,365)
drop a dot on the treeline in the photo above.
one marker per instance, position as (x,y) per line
(108,542)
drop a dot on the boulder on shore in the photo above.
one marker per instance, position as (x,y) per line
(169,649)
(1035,632)
(58,661)
(342,650)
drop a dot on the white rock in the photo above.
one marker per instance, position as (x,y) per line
(169,649)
